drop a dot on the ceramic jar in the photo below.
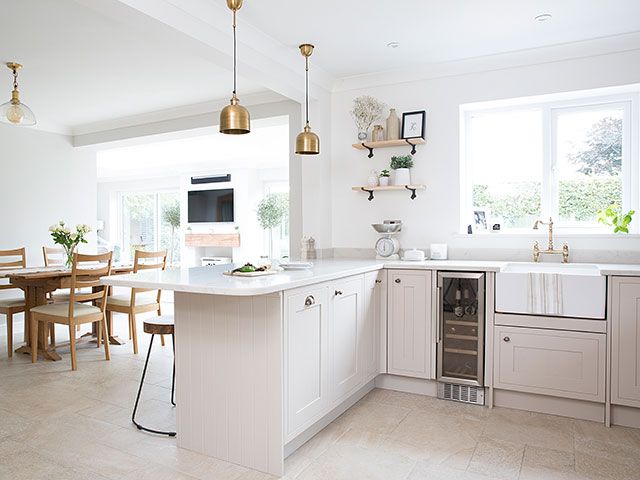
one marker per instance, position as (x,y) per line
(393,126)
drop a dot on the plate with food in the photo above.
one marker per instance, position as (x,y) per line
(250,270)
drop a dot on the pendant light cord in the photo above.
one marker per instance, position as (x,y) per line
(234,54)
(306,87)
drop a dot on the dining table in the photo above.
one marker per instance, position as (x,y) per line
(36,283)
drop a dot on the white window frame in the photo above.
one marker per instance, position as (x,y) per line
(550,109)
(158,221)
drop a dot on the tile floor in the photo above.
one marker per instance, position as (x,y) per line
(59,424)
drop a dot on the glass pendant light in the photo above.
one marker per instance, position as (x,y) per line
(307,142)
(14,112)
(234,118)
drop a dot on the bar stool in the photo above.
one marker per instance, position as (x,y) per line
(162,325)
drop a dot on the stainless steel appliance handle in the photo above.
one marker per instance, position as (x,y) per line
(439,315)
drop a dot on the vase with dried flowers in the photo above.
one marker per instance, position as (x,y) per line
(366,110)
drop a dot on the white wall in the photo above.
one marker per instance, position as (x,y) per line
(43,179)
(434,215)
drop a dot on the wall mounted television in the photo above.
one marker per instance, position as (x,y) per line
(210,206)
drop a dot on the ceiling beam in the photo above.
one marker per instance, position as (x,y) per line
(207,23)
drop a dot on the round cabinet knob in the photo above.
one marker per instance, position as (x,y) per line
(309,301)
(338,292)
(506,339)
(397,280)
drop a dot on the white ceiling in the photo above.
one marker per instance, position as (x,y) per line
(82,66)
(351,37)
(90,62)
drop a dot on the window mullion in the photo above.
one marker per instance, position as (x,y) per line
(549,163)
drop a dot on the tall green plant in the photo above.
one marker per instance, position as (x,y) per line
(171,216)
(273,211)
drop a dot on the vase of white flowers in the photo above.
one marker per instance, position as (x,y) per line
(68,240)
(366,110)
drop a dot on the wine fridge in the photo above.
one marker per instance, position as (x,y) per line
(461,318)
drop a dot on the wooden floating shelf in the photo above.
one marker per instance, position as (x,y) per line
(212,239)
(370,190)
(371,146)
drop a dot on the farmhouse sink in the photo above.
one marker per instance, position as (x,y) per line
(551,289)
(554,268)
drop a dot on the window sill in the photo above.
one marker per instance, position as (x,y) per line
(545,235)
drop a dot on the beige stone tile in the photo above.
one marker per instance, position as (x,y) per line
(530,428)
(544,463)
(321,442)
(427,471)
(348,462)
(595,467)
(294,464)
(502,458)
(373,416)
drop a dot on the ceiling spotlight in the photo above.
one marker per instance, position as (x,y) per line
(393,44)
(543,17)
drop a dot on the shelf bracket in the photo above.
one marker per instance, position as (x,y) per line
(413,146)
(370,192)
(370,151)
(413,191)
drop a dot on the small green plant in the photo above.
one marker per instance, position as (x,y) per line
(404,161)
(385,173)
(613,216)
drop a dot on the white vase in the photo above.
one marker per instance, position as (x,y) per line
(372,180)
(384,181)
(402,176)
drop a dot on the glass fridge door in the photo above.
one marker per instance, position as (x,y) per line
(461,327)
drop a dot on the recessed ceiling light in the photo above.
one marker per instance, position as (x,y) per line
(543,17)
(393,44)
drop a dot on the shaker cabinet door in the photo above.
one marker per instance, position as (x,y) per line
(346,328)
(409,323)
(625,341)
(550,362)
(306,357)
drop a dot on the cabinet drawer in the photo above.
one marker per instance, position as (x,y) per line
(559,363)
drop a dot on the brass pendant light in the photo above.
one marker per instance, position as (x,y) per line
(14,112)
(307,142)
(234,118)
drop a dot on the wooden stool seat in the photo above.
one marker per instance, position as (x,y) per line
(162,325)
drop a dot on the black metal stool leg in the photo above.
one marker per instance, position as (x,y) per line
(173,378)
(135,408)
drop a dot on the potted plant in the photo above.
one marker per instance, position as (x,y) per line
(67,239)
(366,110)
(401,167)
(171,216)
(273,211)
(384,177)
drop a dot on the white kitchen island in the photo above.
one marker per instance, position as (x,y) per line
(233,381)
(263,364)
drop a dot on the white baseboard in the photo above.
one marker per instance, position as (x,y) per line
(565,407)
(419,386)
(625,416)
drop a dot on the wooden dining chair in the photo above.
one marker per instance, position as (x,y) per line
(133,303)
(9,306)
(53,256)
(76,311)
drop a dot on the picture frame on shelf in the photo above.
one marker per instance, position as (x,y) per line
(413,124)
(480,219)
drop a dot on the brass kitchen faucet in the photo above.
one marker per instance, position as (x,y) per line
(550,250)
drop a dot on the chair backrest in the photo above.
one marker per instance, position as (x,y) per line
(16,258)
(86,273)
(147,261)
(53,256)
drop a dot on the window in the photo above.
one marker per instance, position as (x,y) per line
(150,221)
(562,159)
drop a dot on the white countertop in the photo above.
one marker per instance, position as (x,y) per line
(210,280)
